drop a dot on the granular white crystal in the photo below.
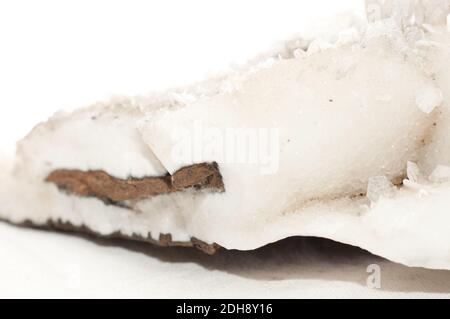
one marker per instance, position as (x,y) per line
(378,187)
(412,172)
(299,53)
(441,174)
(428,98)
(318,45)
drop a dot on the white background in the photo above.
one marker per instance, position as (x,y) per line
(67,54)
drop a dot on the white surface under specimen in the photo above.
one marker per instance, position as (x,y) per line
(72,267)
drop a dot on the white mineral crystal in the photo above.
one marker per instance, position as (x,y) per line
(380,187)
(408,12)
(318,46)
(412,172)
(427,99)
(441,174)
(300,142)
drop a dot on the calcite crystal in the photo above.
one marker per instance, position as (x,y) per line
(346,139)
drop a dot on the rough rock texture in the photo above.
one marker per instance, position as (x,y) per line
(112,190)
(165,240)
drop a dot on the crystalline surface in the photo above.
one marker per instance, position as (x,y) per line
(441,174)
(428,99)
(413,172)
(379,187)
(333,126)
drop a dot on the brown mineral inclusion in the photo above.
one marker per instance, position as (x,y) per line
(111,190)
(101,185)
